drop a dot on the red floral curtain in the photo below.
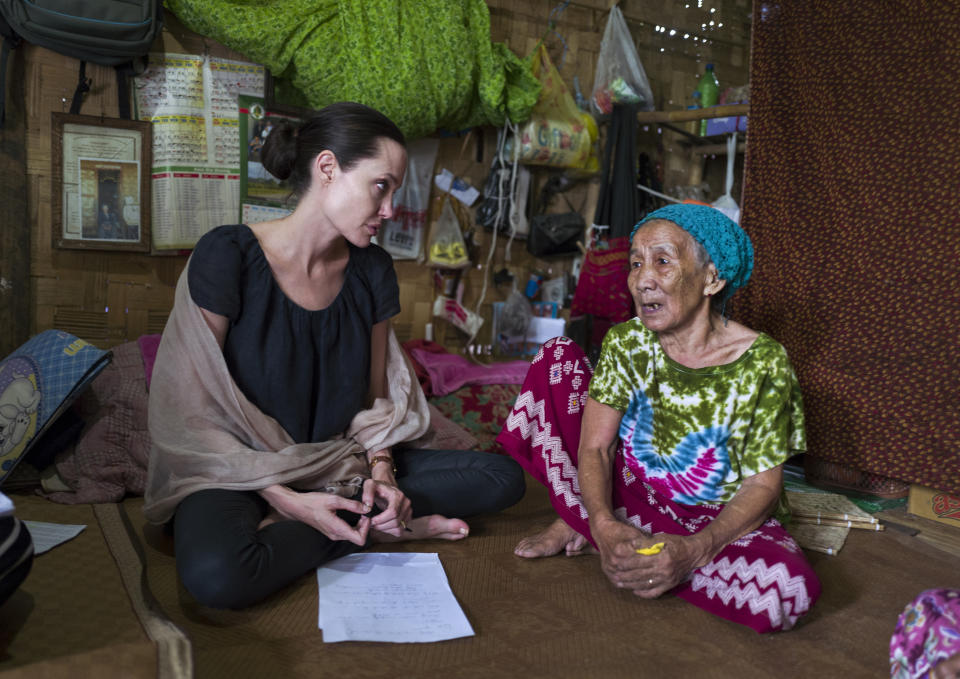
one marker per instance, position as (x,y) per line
(851,198)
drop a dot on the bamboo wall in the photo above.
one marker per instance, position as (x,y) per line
(108,298)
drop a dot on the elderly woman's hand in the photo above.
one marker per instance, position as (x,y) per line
(659,573)
(618,554)
(648,576)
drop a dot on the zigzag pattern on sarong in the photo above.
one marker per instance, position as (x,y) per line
(633,519)
(784,600)
(528,418)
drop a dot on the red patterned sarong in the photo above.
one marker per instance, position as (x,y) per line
(762,580)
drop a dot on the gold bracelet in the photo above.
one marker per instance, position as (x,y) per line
(384,458)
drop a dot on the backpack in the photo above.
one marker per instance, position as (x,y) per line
(115,33)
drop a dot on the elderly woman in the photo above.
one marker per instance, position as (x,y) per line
(668,459)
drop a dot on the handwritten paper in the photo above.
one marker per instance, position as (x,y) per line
(388,597)
(46,536)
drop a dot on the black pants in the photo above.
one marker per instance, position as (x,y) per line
(225,562)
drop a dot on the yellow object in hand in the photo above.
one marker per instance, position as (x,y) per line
(650,551)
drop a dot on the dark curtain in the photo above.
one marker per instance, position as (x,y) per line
(850,196)
(602,294)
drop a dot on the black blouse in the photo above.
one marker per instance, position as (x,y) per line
(309,370)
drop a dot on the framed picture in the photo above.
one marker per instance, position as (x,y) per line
(100,170)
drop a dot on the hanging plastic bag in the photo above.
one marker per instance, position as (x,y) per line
(454,312)
(725,203)
(447,249)
(558,134)
(620,78)
(402,236)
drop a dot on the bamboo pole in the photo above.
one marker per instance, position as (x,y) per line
(693,114)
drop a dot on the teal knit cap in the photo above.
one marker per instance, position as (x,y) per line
(727,244)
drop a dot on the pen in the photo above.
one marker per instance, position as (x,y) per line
(404,524)
(653,549)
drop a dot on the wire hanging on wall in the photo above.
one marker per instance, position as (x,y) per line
(552,28)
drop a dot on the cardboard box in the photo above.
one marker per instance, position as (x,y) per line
(933,504)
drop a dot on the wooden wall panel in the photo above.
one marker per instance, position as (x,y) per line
(14,215)
(108,298)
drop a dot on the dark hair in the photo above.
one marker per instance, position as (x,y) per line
(347,129)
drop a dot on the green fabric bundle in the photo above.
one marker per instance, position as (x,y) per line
(427,64)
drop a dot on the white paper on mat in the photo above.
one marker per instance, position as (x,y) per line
(394,597)
(46,536)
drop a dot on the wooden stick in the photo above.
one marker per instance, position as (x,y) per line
(839,516)
(832,522)
(693,114)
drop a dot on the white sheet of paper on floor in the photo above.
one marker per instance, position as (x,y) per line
(46,536)
(394,597)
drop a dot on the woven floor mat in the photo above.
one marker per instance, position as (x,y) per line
(559,617)
(73,605)
(555,617)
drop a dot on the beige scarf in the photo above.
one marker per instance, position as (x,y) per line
(206,434)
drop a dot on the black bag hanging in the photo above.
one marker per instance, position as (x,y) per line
(555,234)
(115,33)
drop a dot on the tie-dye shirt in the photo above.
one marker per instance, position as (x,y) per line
(695,434)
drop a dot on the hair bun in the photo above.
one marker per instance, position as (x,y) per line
(280,150)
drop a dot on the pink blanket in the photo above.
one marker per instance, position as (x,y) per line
(449,372)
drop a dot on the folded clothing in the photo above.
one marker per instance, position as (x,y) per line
(448,372)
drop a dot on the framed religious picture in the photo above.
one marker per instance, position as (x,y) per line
(100,186)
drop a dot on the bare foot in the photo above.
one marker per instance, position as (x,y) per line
(557,537)
(427,527)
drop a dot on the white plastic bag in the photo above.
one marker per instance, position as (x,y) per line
(453,312)
(447,249)
(620,78)
(402,236)
(725,203)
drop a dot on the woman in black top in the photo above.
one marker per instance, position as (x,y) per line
(300,307)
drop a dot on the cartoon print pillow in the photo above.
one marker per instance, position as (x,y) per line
(38,382)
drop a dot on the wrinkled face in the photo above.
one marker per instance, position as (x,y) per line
(361,198)
(669,286)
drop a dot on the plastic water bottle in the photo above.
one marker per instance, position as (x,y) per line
(709,89)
